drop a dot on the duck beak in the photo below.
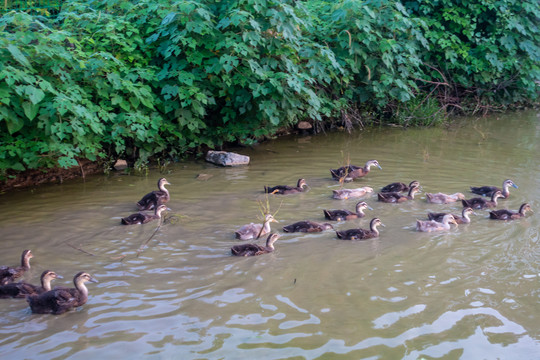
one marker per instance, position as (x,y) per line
(379,166)
(514,185)
(382,225)
(370,208)
(94,280)
(59,276)
(274,220)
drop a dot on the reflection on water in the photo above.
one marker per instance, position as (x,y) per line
(177,293)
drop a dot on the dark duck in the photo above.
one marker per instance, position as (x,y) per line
(60,300)
(255,249)
(22,289)
(9,274)
(361,234)
(463,219)
(155,198)
(350,172)
(510,215)
(307,226)
(342,215)
(481,203)
(396,197)
(286,189)
(143,218)
(399,187)
(489,190)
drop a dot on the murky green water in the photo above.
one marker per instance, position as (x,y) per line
(471,293)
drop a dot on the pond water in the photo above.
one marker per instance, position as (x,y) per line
(470,293)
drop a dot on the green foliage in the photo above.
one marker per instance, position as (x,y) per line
(154,79)
(490,49)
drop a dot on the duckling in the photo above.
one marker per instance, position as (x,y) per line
(399,187)
(432,225)
(286,189)
(361,234)
(60,300)
(395,197)
(307,226)
(440,198)
(253,230)
(342,215)
(155,198)
(143,218)
(344,194)
(255,249)
(481,203)
(489,190)
(350,172)
(9,274)
(510,215)
(463,219)
(22,289)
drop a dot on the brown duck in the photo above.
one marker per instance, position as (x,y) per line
(286,189)
(510,215)
(255,249)
(155,198)
(9,274)
(399,187)
(21,289)
(396,197)
(489,190)
(143,218)
(481,203)
(342,215)
(307,226)
(350,172)
(361,234)
(60,300)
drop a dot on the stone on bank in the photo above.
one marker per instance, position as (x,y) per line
(225,158)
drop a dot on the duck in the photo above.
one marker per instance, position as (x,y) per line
(344,194)
(143,218)
(253,230)
(307,226)
(350,172)
(286,189)
(440,198)
(463,219)
(361,234)
(489,190)
(255,249)
(399,187)
(60,300)
(155,198)
(342,215)
(481,203)
(510,215)
(22,289)
(432,225)
(9,274)
(396,197)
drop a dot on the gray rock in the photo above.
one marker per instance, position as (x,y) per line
(225,158)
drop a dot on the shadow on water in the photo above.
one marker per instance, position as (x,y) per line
(469,293)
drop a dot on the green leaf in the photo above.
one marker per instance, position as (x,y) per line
(30,110)
(34,94)
(18,55)
(14,123)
